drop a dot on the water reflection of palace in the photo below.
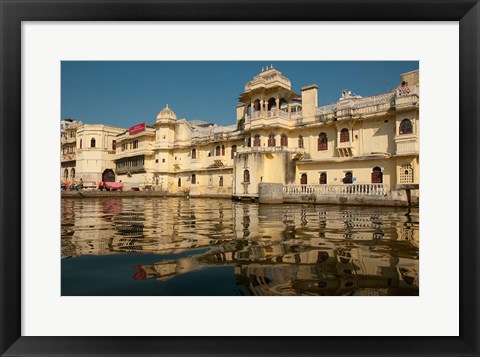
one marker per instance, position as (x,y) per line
(276,250)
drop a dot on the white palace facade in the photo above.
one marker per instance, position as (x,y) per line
(357,144)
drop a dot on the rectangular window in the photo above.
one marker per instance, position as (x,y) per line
(135,144)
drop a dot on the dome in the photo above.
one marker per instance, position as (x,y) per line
(166,113)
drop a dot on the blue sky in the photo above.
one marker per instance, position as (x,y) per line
(125,93)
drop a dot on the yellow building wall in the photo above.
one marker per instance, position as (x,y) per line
(361,170)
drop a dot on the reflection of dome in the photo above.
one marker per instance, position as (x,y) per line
(166,113)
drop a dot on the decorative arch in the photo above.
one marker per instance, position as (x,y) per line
(348,178)
(65,174)
(406,127)
(271,140)
(271,104)
(322,142)
(303,179)
(108,176)
(344,135)
(281,102)
(377,175)
(256,105)
(256,140)
(246,176)
(72,174)
(322,180)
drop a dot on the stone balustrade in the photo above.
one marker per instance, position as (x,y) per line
(370,105)
(270,149)
(365,189)
(68,140)
(343,110)
(67,157)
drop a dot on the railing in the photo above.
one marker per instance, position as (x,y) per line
(372,104)
(132,169)
(327,109)
(67,140)
(366,189)
(375,100)
(269,114)
(67,157)
(269,149)
(407,143)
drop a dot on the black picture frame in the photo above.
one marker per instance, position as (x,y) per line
(13,12)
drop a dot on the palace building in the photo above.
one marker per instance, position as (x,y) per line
(357,145)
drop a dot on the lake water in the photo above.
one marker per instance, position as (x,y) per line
(179,246)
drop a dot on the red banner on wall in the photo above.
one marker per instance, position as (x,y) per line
(137,128)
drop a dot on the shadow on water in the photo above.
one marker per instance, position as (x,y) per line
(177,246)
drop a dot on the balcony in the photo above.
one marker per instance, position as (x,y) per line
(134,152)
(346,148)
(407,144)
(129,170)
(360,189)
(67,157)
(266,150)
(373,105)
(68,140)
(406,101)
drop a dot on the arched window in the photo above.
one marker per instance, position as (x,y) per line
(284,140)
(234,150)
(272,104)
(80,143)
(194,153)
(114,145)
(220,181)
(72,174)
(323,179)
(249,143)
(300,142)
(322,142)
(223,150)
(348,177)
(303,179)
(179,182)
(377,175)
(65,174)
(344,135)
(194,179)
(92,143)
(217,151)
(256,105)
(246,176)
(406,127)
(256,141)
(271,140)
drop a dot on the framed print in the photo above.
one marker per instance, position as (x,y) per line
(239,178)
